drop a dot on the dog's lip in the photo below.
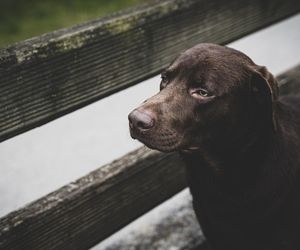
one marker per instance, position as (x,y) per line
(135,134)
(140,137)
(190,149)
(132,134)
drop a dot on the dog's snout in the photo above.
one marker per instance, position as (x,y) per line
(141,120)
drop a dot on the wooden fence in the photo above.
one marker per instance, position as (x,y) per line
(49,76)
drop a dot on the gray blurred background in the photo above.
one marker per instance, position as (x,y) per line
(42,160)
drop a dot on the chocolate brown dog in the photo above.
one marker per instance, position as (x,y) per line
(240,142)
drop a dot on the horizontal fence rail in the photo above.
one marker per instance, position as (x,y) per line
(85,212)
(88,210)
(48,76)
(171,226)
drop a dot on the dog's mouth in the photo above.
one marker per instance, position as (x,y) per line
(165,141)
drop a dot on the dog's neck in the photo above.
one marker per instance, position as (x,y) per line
(237,156)
(263,174)
(244,148)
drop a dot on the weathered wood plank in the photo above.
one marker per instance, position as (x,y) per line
(85,212)
(172,225)
(48,76)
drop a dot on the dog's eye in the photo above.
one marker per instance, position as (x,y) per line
(164,81)
(201,92)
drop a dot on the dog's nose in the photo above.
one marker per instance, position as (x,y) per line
(142,120)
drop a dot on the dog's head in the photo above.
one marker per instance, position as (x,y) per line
(209,93)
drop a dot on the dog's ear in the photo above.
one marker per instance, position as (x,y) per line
(265,90)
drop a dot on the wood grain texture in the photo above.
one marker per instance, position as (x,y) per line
(86,211)
(48,76)
(173,225)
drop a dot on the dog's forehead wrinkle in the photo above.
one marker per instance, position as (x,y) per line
(204,70)
(233,78)
(170,71)
(208,54)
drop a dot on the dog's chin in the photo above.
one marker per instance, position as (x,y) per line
(165,143)
(176,147)
(162,148)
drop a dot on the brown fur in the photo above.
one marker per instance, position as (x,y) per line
(240,142)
